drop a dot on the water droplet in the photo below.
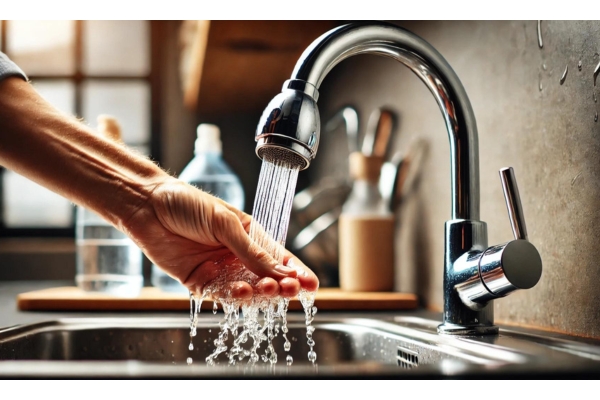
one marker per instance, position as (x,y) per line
(312,356)
(595,98)
(596,117)
(539,32)
(541,87)
(544,66)
(579,65)
(314,310)
(287,346)
(564,75)
(596,72)
(191,347)
(215,307)
(189,361)
(289,360)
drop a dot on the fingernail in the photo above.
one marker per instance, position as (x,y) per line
(299,270)
(284,270)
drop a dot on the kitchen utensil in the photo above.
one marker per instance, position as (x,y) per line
(349,116)
(382,123)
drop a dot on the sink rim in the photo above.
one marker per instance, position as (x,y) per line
(423,331)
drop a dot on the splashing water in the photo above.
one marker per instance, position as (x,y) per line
(307,299)
(272,209)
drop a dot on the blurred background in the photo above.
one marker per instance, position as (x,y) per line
(160,79)
(163,78)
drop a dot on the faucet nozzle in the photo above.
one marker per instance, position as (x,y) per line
(290,125)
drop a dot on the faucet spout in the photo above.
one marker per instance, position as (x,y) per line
(390,41)
(291,124)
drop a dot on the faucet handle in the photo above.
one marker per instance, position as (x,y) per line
(513,203)
(507,267)
(516,264)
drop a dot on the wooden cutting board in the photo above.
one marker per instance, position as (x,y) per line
(153,299)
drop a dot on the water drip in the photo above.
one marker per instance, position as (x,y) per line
(564,75)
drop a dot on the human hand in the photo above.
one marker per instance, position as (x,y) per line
(197,238)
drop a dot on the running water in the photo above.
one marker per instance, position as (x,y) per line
(271,215)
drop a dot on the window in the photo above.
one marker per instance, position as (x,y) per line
(84,68)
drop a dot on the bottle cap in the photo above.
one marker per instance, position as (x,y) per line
(209,139)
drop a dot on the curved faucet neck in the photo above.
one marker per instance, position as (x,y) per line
(419,56)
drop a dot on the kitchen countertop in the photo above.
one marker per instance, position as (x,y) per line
(10,315)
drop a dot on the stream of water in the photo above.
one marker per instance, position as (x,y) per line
(263,318)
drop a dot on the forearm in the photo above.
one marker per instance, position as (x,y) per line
(64,155)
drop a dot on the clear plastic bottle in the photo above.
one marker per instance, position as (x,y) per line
(209,172)
(107,260)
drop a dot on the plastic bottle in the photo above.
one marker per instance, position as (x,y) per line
(107,260)
(209,172)
(366,231)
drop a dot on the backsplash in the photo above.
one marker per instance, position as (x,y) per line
(547,130)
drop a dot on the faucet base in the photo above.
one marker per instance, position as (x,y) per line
(466,330)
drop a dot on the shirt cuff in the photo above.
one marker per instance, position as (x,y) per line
(9,68)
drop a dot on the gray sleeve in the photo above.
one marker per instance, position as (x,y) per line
(9,68)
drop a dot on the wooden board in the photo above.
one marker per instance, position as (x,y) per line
(153,299)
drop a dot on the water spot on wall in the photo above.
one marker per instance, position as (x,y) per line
(539,32)
(596,117)
(579,65)
(575,179)
(564,75)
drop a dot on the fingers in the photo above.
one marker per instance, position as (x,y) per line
(289,287)
(230,231)
(238,290)
(267,287)
(308,280)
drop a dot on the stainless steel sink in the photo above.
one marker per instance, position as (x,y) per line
(346,346)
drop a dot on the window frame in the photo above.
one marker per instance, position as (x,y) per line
(78,77)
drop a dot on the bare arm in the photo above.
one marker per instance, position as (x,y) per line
(64,155)
(180,228)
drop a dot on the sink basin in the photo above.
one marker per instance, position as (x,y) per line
(345,346)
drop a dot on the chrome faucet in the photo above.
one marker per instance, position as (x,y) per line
(474,274)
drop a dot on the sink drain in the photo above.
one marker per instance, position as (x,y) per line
(407,358)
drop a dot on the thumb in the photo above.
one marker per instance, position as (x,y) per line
(229,230)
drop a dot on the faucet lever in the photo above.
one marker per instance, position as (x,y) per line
(513,203)
(506,267)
